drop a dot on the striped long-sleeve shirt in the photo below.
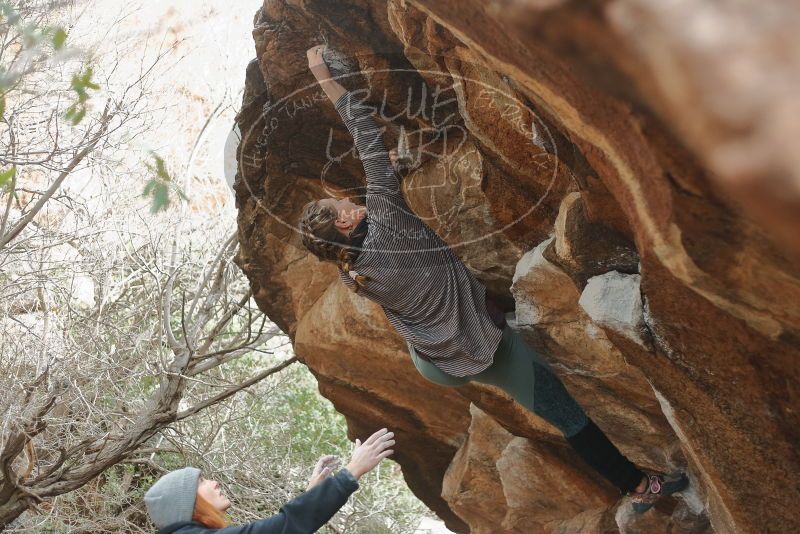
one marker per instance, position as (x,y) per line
(428,294)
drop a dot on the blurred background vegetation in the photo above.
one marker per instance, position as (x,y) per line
(128,339)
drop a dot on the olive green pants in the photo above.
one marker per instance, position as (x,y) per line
(522,373)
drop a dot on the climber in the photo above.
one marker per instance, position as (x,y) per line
(183,501)
(454,333)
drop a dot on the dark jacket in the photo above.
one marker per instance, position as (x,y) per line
(302,515)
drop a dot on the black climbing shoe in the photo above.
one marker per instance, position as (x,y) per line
(658,486)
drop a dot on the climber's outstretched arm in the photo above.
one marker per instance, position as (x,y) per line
(357,116)
(333,89)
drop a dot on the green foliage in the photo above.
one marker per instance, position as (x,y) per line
(110,503)
(39,40)
(8,13)
(159,191)
(59,38)
(81,83)
(158,188)
(32,35)
(7,175)
(148,384)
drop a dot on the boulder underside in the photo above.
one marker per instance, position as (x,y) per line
(613,175)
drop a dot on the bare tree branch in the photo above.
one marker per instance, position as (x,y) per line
(234,389)
(76,160)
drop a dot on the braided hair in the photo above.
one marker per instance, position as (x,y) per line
(326,242)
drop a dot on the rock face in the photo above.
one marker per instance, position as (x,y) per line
(620,175)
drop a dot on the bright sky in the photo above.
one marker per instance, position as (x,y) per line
(211,45)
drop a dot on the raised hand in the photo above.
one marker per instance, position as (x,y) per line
(316,63)
(322,470)
(314,56)
(367,455)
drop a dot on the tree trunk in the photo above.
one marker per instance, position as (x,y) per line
(12,508)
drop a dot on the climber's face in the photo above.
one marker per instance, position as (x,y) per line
(211,491)
(348,214)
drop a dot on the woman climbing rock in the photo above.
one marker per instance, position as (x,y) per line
(185,502)
(387,254)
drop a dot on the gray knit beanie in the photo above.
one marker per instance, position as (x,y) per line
(171,498)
